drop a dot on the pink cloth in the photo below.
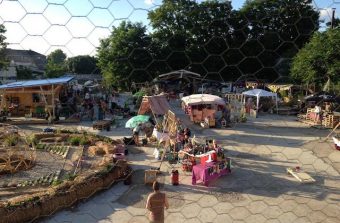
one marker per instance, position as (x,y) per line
(201,173)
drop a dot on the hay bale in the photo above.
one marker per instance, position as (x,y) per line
(95,151)
(100,143)
(109,149)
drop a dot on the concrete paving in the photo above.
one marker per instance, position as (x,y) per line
(258,189)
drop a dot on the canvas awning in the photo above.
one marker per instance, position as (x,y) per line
(158,104)
(199,99)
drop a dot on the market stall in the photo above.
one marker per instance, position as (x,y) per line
(203,107)
(157,105)
(259,93)
(205,159)
(206,173)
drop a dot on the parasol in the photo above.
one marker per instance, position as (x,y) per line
(134,121)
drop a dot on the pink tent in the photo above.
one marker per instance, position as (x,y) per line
(157,104)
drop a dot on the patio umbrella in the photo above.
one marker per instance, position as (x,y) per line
(134,121)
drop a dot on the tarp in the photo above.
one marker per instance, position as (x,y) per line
(258,93)
(35,83)
(199,99)
(158,104)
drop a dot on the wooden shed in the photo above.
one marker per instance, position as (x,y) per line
(32,96)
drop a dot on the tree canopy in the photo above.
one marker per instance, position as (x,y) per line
(318,61)
(210,38)
(56,66)
(3,61)
(123,56)
(83,64)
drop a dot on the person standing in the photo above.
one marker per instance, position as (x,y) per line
(156,203)
(136,131)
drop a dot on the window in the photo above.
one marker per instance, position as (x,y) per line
(35,97)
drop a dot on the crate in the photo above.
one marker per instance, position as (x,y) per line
(330,121)
(150,176)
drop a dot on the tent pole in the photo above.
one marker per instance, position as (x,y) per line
(277,107)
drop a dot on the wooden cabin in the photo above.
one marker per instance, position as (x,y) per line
(34,97)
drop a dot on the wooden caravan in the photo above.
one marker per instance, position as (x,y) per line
(202,107)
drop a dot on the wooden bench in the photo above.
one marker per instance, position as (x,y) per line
(102,124)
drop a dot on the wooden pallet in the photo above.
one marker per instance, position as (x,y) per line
(150,176)
(330,121)
(301,176)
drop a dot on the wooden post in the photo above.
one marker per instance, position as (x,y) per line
(53,104)
(335,128)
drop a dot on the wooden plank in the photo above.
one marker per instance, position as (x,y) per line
(301,176)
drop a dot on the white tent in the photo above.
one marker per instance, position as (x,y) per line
(198,99)
(258,93)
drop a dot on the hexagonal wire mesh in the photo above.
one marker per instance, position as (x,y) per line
(77,26)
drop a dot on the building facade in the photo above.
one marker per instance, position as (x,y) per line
(22,59)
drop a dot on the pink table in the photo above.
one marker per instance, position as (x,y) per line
(209,172)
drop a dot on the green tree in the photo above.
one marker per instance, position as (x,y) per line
(194,31)
(318,61)
(24,73)
(3,61)
(278,29)
(82,65)
(123,56)
(56,65)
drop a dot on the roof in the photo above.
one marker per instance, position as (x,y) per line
(158,104)
(198,99)
(27,56)
(259,93)
(34,83)
(180,74)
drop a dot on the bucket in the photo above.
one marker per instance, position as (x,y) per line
(174,177)
(214,156)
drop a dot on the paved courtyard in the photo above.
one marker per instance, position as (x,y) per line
(258,189)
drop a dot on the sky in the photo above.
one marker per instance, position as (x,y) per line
(76,26)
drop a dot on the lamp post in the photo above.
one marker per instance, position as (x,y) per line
(333,18)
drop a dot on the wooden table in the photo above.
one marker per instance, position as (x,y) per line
(209,172)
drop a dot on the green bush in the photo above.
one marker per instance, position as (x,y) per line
(11,140)
(32,140)
(70,176)
(40,146)
(74,140)
(84,141)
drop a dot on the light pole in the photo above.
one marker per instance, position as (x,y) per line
(333,18)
